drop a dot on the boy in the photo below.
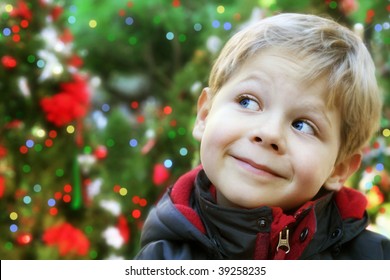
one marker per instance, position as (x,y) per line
(290,104)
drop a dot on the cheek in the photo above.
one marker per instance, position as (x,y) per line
(314,168)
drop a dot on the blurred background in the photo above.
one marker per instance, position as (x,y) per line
(97,104)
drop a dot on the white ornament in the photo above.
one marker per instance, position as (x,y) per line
(111,206)
(113,237)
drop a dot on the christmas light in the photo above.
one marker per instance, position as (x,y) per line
(7,31)
(23,150)
(182,38)
(134,105)
(170,36)
(143,202)
(37,188)
(386,132)
(136,214)
(13,216)
(333,5)
(39,132)
(117,188)
(129,21)
(133,143)
(26,168)
(9,62)
(197,27)
(136,199)
(53,134)
(67,188)
(167,110)
(380,167)
(171,134)
(71,20)
(15,29)
(30,143)
(182,131)
(60,172)
(123,191)
(48,143)
(31,58)
(183,152)
(24,238)
(38,148)
(40,63)
(220,9)
(168,163)
(227,26)
(66,198)
(133,40)
(110,143)
(8,8)
(27,199)
(70,129)
(13,228)
(216,24)
(16,38)
(24,23)
(176,3)
(51,202)
(92,23)
(378,27)
(53,211)
(58,195)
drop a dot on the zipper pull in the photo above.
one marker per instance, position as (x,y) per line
(283,240)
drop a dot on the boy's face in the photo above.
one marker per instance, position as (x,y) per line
(268,137)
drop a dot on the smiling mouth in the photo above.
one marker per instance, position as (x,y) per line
(256,168)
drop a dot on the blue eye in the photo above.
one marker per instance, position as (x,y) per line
(303,127)
(249,103)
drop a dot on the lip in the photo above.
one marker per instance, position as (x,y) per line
(257,168)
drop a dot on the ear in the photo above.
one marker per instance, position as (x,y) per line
(342,171)
(204,104)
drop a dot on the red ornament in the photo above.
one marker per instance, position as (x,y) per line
(176,3)
(14,124)
(3,151)
(67,238)
(123,228)
(68,105)
(75,61)
(148,146)
(2,186)
(24,238)
(9,62)
(160,174)
(101,152)
(21,10)
(348,6)
(67,36)
(56,12)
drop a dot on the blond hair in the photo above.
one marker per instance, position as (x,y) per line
(330,50)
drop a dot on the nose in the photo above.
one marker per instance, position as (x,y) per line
(269,134)
(274,146)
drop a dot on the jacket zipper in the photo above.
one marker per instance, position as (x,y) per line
(283,240)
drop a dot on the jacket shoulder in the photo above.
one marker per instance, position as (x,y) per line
(368,245)
(169,250)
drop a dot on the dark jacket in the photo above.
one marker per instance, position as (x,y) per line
(188,224)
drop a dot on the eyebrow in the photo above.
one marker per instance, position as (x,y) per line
(318,110)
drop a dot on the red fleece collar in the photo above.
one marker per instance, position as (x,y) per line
(348,196)
(180,195)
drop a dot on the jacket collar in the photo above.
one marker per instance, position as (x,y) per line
(255,233)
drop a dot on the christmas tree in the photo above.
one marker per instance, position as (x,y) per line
(98,106)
